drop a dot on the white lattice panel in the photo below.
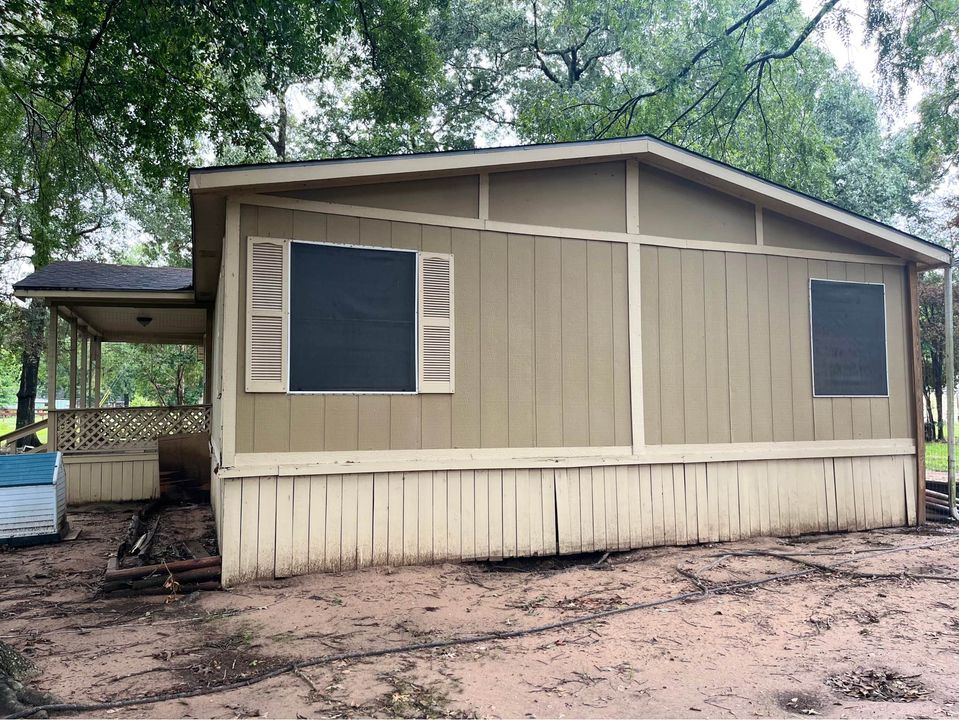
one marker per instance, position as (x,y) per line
(112,429)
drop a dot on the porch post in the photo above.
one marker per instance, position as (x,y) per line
(208,359)
(84,359)
(52,375)
(73,363)
(98,373)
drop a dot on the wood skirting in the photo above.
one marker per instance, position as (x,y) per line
(275,525)
(111,477)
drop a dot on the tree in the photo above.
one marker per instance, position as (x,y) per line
(96,95)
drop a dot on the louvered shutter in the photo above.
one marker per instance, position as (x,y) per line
(436,323)
(267,278)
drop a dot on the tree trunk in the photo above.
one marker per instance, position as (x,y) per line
(27,396)
(929,416)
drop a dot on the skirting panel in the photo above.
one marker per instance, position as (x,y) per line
(273,526)
(111,478)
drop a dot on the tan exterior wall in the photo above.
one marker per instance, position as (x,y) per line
(456,195)
(111,478)
(671,206)
(576,196)
(541,333)
(726,351)
(281,526)
(781,231)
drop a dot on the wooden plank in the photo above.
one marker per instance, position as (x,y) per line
(350,519)
(731,472)
(781,357)
(626,326)
(548,341)
(494,339)
(496,511)
(779,478)
(670,515)
(529,522)
(737,314)
(845,493)
(266,542)
(644,474)
(760,370)
(481,528)
(466,290)
(334,523)
(454,519)
(411,505)
(380,519)
(230,525)
(301,525)
(633,490)
(550,511)
(249,531)
(693,327)
(425,528)
(801,373)
(913,513)
(599,346)
(440,551)
(829,481)
(671,376)
(822,407)
(127,481)
(511,511)
(394,509)
(586,510)
(623,521)
(693,485)
(317,551)
(717,357)
(747,520)
(575,353)
(649,313)
(563,512)
(520,303)
(594,499)
(468,513)
(284,527)
(886,491)
(863,493)
(915,366)
(364,519)
(657,477)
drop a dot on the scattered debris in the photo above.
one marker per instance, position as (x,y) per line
(801,702)
(879,685)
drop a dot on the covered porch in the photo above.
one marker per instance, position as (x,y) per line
(113,452)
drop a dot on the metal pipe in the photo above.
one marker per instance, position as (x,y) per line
(950,395)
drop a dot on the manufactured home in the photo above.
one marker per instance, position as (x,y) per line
(511,352)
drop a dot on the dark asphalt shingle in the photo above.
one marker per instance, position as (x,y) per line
(81,275)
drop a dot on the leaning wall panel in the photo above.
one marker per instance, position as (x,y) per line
(279,526)
(106,478)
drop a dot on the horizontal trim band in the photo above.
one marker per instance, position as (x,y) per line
(108,457)
(359,211)
(293,464)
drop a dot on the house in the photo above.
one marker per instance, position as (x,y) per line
(513,352)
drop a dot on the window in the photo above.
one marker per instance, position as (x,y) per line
(352,319)
(848,323)
(324,318)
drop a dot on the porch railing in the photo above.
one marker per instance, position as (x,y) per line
(125,429)
(8,442)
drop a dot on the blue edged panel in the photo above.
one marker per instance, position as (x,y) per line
(32,469)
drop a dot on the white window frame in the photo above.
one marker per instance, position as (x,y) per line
(885,338)
(416,320)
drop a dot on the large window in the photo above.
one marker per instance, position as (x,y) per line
(352,319)
(848,322)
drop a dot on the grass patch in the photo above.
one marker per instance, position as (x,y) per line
(936,456)
(9,424)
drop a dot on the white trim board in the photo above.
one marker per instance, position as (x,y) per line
(453,221)
(333,463)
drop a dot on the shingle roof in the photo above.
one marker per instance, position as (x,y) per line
(81,275)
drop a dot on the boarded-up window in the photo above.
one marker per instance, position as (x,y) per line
(848,338)
(352,319)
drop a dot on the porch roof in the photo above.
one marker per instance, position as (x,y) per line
(83,276)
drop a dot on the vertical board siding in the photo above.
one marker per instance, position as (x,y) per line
(727,356)
(99,479)
(542,347)
(278,526)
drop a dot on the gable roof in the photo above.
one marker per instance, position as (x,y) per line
(81,275)
(657,152)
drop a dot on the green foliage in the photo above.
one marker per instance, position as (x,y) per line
(152,374)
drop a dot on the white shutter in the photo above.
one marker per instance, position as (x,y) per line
(267,279)
(435,323)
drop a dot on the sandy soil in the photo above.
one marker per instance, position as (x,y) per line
(768,651)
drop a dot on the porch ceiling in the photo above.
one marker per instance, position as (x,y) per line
(183,325)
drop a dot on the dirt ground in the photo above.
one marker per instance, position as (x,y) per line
(790,647)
